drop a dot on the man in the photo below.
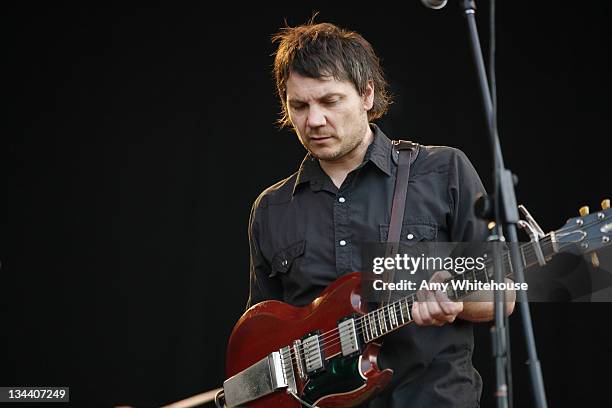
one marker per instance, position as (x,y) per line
(307,230)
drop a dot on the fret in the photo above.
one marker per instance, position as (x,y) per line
(407,309)
(401,313)
(392,316)
(527,256)
(509,265)
(490,268)
(550,249)
(366,332)
(522,252)
(373,325)
(458,291)
(477,276)
(397,316)
(531,258)
(382,318)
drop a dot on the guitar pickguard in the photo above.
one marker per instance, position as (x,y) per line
(343,375)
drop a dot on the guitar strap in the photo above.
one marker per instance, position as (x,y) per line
(407,152)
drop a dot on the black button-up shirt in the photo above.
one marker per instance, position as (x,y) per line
(305,232)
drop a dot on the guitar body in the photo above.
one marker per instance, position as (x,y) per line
(268,326)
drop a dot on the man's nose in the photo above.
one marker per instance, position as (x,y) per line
(316,117)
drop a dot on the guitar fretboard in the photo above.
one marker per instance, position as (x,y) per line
(388,318)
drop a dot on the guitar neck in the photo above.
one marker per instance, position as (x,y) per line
(395,315)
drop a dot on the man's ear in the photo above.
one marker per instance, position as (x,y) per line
(368,96)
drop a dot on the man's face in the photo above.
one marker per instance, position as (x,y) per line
(329,116)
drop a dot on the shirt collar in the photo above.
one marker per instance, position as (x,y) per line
(379,153)
(310,171)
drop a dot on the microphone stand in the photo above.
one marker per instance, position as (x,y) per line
(506,215)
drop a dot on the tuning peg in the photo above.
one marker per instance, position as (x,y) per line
(594,259)
(584,210)
(605,204)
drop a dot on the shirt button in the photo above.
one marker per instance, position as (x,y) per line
(409,236)
(342,243)
(342,199)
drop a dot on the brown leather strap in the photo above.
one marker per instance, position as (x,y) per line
(408,152)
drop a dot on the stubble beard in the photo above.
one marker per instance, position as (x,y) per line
(343,150)
(340,152)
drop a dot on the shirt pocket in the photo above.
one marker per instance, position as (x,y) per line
(284,259)
(412,233)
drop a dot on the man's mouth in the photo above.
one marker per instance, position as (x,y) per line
(319,139)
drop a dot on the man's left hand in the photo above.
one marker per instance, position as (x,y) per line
(434,308)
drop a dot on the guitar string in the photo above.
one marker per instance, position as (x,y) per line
(375,315)
(375,319)
(328,337)
(325,337)
(386,311)
(529,251)
(362,324)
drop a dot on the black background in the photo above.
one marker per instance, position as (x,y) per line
(137,138)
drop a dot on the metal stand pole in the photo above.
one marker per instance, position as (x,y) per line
(506,215)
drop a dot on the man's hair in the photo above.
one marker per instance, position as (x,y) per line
(319,50)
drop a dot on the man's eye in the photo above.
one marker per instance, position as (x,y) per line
(331,101)
(297,107)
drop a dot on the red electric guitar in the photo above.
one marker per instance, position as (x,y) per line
(324,354)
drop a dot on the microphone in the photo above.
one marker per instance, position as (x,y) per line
(434,4)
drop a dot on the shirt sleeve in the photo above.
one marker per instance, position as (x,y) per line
(261,287)
(464,187)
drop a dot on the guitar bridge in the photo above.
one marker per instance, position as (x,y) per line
(299,363)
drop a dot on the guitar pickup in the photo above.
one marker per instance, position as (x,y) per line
(313,353)
(349,342)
